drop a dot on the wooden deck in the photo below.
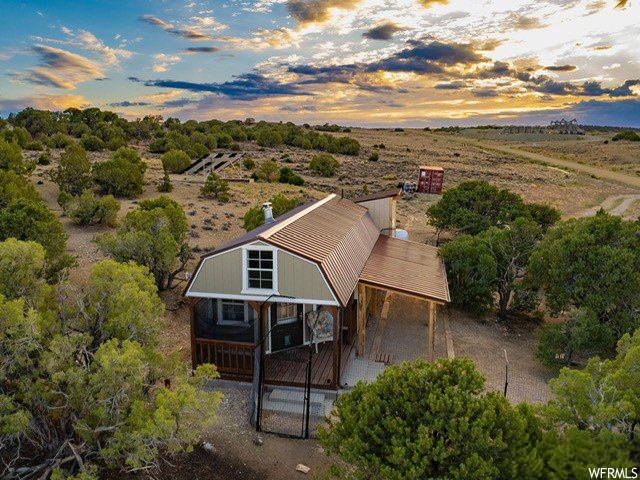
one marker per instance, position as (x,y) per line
(290,368)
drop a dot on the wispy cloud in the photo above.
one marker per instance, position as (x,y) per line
(248,86)
(59,68)
(163,61)
(561,68)
(316,11)
(195,32)
(44,101)
(194,50)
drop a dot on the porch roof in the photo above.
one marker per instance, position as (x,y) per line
(406,267)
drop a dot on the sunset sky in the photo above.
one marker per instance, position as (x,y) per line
(351,62)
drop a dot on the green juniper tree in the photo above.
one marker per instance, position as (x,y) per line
(153,235)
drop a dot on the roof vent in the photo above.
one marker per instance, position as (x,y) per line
(268,212)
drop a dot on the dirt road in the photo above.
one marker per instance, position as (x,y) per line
(619,177)
(625,206)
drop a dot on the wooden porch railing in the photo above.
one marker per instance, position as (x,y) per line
(229,357)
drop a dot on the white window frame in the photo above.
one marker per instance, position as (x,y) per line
(288,320)
(222,321)
(245,270)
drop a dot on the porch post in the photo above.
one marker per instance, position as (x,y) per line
(362,318)
(192,322)
(335,312)
(432,320)
(373,302)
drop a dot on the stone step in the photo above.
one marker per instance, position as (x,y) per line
(295,396)
(315,409)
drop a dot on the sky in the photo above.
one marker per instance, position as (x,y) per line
(351,62)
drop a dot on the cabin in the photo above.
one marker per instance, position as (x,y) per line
(302,284)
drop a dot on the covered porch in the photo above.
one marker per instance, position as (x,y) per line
(289,368)
(400,289)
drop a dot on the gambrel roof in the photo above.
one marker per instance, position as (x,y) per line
(342,239)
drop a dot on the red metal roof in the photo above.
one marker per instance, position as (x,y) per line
(396,192)
(340,236)
(407,267)
(337,234)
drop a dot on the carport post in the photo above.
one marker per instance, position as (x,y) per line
(362,318)
(432,321)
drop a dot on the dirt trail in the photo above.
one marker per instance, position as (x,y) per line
(622,205)
(620,177)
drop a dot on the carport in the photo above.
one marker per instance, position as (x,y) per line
(406,268)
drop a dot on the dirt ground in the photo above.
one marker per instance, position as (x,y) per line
(596,148)
(213,223)
(485,341)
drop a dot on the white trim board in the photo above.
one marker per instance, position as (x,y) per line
(261,298)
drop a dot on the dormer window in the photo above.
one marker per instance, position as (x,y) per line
(260,270)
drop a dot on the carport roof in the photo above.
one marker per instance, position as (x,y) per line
(406,267)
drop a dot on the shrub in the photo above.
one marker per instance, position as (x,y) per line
(116,143)
(165,186)
(602,397)
(489,265)
(74,170)
(90,209)
(118,177)
(25,219)
(344,146)
(216,187)
(197,150)
(44,158)
(175,161)
(374,157)
(22,268)
(579,264)
(235,147)
(64,199)
(35,146)
(288,176)
(268,171)
(14,187)
(629,135)
(223,140)
(153,235)
(268,138)
(92,143)
(131,155)
(249,163)
(159,145)
(475,206)
(98,355)
(59,140)
(78,129)
(419,421)
(18,135)
(11,158)
(325,165)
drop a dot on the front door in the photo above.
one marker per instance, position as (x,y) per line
(287,326)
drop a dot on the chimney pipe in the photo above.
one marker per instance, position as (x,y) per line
(268,212)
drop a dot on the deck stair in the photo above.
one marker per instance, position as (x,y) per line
(291,401)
